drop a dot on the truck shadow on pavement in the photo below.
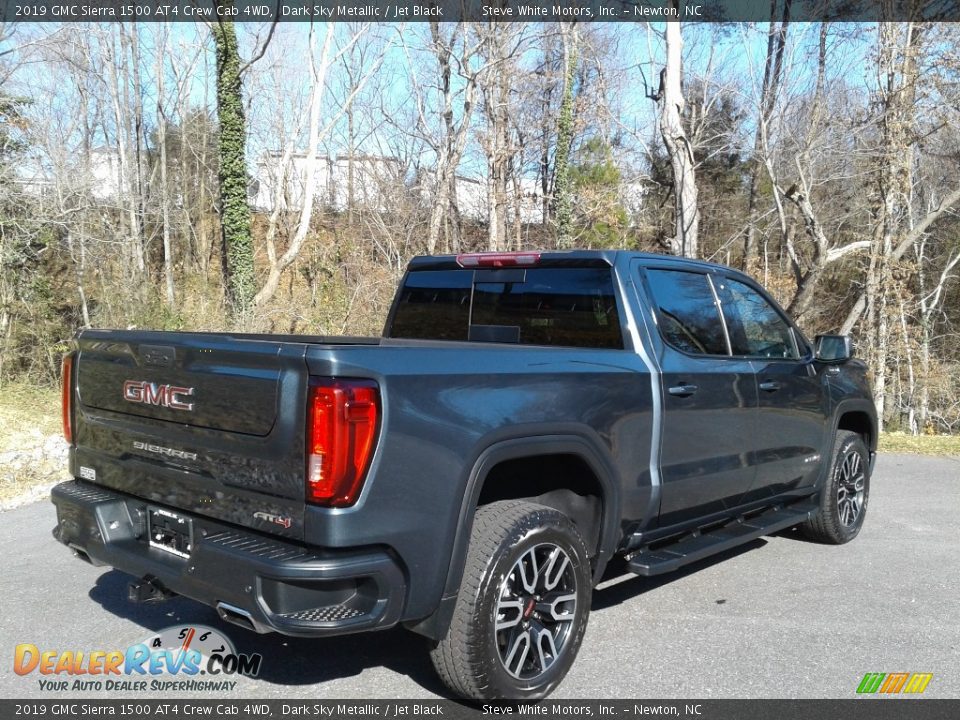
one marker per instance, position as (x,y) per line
(287,661)
(290,662)
(620,585)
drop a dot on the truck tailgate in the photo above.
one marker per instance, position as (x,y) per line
(207,423)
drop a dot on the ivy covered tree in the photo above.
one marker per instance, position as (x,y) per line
(237,240)
(563,192)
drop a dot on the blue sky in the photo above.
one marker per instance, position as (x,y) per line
(729,56)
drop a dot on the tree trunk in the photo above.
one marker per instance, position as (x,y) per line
(351,150)
(318,77)
(563,193)
(497,145)
(139,195)
(231,147)
(454,139)
(898,72)
(164,190)
(930,303)
(318,81)
(125,182)
(772,73)
(685,210)
(500,162)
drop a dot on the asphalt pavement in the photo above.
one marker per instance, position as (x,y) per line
(780,617)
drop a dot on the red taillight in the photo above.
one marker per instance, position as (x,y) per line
(66,397)
(509,259)
(342,420)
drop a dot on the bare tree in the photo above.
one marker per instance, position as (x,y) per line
(772,74)
(453,141)
(670,96)
(160,72)
(501,46)
(316,131)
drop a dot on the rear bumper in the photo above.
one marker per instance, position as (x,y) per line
(253,580)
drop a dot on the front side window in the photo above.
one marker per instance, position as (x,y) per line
(687,312)
(756,328)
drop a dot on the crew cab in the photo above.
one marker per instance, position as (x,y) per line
(525,418)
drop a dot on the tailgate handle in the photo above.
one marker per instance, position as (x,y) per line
(158,355)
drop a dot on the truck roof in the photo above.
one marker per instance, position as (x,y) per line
(556,258)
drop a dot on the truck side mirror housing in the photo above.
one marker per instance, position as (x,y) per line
(834,348)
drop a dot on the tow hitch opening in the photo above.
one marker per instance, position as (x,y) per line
(147,590)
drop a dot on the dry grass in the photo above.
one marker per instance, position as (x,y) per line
(33,454)
(898,442)
(28,405)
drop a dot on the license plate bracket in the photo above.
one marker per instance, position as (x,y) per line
(170,532)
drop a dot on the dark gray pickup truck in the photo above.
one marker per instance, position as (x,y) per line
(525,418)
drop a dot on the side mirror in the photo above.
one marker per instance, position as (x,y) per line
(834,348)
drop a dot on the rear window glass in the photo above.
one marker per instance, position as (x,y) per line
(570,307)
(434,305)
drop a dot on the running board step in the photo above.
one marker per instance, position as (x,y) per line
(696,546)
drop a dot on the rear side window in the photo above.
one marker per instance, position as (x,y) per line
(687,312)
(568,307)
(756,328)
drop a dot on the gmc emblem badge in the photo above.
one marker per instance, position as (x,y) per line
(147,393)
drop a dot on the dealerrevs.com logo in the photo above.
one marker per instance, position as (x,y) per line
(178,658)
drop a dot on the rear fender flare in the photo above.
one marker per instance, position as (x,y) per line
(590,451)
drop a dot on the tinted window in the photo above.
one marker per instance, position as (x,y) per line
(571,307)
(756,328)
(574,307)
(434,305)
(688,315)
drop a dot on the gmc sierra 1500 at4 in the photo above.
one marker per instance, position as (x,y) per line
(525,418)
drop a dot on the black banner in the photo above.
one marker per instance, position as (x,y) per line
(859,709)
(473,10)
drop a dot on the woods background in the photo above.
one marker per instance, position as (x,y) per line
(278,178)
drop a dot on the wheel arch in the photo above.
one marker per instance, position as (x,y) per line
(856,415)
(858,418)
(488,482)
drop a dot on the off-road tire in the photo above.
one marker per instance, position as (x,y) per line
(835,523)
(507,537)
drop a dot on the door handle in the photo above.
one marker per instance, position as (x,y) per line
(770,386)
(683,390)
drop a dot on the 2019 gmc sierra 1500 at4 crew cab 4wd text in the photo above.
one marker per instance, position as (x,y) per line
(525,418)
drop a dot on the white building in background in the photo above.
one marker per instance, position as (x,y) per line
(473,204)
(375,179)
(30,177)
(528,198)
(101,178)
(378,181)
(105,173)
